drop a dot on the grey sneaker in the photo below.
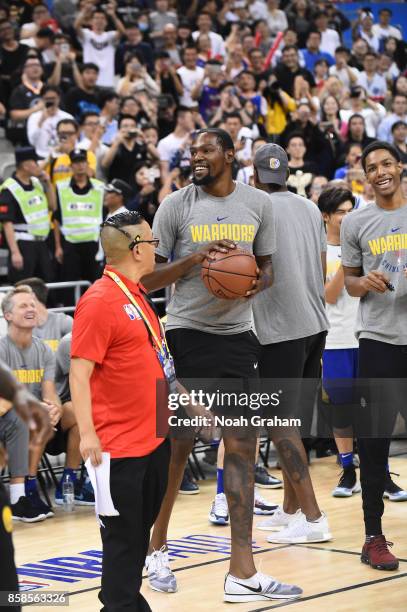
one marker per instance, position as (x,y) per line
(160,576)
(259,587)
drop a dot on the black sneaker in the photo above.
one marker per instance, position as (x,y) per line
(264,480)
(188,485)
(392,491)
(348,484)
(24,511)
(41,506)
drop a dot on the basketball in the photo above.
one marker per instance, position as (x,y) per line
(229,275)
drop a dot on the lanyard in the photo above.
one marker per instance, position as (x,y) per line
(160,344)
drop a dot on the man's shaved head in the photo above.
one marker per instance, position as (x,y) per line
(115,243)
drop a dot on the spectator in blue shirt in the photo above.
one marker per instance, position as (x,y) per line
(313,53)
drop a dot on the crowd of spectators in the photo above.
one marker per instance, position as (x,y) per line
(130,82)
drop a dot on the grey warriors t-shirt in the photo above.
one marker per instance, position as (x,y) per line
(190,218)
(55,327)
(376,239)
(63,363)
(294,306)
(31,366)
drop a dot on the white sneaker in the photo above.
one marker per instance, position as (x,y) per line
(279,519)
(300,531)
(160,576)
(258,587)
(219,513)
(261,505)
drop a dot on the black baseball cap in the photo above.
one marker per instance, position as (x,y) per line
(271,163)
(22,154)
(78,155)
(120,187)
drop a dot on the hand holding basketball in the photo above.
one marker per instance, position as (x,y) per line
(231,275)
(218,246)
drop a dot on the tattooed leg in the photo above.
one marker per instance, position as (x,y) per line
(295,467)
(239,489)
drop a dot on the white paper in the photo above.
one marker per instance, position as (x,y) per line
(100,479)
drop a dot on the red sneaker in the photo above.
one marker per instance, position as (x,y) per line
(377,555)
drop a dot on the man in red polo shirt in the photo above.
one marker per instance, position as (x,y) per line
(118,354)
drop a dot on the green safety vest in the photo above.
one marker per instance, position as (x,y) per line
(33,205)
(81,214)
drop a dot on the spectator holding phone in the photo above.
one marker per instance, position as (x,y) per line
(63,71)
(136,78)
(167,78)
(42,125)
(128,151)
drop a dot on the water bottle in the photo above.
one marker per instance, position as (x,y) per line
(68,494)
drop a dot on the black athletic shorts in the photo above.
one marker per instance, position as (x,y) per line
(223,364)
(58,442)
(293,369)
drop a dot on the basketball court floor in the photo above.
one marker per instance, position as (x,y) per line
(64,554)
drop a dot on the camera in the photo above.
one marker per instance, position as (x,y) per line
(133,133)
(49,103)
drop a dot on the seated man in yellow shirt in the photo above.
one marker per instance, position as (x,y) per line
(58,164)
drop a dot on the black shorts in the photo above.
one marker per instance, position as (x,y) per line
(225,365)
(58,442)
(201,355)
(293,369)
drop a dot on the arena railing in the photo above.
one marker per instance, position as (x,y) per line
(76,286)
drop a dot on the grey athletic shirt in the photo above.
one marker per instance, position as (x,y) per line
(190,218)
(31,366)
(63,363)
(294,307)
(55,327)
(376,239)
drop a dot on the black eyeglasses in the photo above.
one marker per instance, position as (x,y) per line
(134,241)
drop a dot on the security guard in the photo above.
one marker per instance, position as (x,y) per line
(77,220)
(25,199)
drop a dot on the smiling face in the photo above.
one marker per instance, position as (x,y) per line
(334,220)
(383,172)
(23,314)
(208,160)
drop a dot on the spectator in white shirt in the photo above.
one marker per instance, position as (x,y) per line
(190,74)
(177,141)
(42,125)
(330,39)
(257,9)
(399,108)
(347,75)
(99,45)
(388,69)
(372,112)
(374,83)
(383,29)
(276,19)
(364,28)
(204,23)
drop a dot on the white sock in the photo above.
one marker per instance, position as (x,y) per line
(16,491)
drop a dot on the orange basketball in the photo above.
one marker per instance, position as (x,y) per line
(229,275)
